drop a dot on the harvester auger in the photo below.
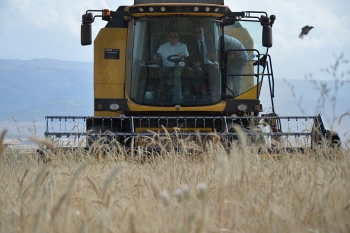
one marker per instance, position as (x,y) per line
(140,92)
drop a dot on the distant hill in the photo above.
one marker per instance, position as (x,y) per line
(33,89)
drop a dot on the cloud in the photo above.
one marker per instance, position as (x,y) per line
(53,15)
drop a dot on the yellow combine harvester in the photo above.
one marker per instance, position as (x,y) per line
(190,67)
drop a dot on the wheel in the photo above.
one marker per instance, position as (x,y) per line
(175,58)
(333,138)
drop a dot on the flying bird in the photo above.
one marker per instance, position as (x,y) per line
(305,30)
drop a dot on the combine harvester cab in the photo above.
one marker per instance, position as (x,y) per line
(140,90)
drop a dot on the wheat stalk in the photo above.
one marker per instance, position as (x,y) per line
(2,146)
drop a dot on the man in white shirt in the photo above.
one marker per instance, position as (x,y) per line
(173,47)
(172,68)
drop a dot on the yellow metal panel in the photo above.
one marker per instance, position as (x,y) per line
(106,114)
(109,74)
(109,90)
(110,70)
(251,94)
(212,108)
(198,14)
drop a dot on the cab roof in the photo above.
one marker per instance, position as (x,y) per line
(218,2)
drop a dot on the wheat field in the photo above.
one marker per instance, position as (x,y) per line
(194,189)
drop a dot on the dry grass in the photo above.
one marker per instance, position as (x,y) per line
(209,190)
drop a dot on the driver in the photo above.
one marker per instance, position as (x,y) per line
(173,47)
(176,52)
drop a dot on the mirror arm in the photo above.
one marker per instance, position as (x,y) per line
(231,17)
(235,14)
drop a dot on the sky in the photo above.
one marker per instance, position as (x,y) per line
(32,29)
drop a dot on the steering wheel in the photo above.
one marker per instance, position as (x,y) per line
(175,58)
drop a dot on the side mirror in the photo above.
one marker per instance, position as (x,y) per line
(267,36)
(86,35)
(85,30)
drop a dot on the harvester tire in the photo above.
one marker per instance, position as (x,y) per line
(333,138)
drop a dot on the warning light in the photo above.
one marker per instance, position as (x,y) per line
(106,14)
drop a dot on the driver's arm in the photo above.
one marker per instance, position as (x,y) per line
(182,54)
(183,51)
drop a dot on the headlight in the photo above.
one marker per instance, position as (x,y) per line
(114,107)
(242,107)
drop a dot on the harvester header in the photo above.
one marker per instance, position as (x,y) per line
(186,69)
